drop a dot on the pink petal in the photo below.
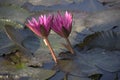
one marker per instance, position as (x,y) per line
(61,21)
(35,21)
(35,25)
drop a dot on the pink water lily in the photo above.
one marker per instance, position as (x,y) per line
(41,27)
(62,24)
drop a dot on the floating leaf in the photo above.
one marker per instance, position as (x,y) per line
(16,37)
(107,40)
(15,57)
(32,73)
(103,40)
(105,60)
(85,5)
(77,78)
(103,20)
(13,33)
(32,43)
(12,15)
(35,73)
(6,45)
(42,56)
(4,40)
(7,49)
(109,76)
(9,22)
(111,3)
(6,2)
(77,67)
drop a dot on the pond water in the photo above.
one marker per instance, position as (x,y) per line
(95,38)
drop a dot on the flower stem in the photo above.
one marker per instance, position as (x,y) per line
(70,46)
(46,41)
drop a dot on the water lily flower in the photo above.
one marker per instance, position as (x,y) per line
(62,25)
(41,28)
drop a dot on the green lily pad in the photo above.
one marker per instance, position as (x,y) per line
(9,22)
(6,45)
(13,34)
(4,40)
(32,73)
(103,40)
(14,13)
(102,50)
(6,2)
(105,60)
(77,78)
(7,49)
(98,21)
(33,43)
(103,20)
(41,56)
(35,74)
(77,67)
